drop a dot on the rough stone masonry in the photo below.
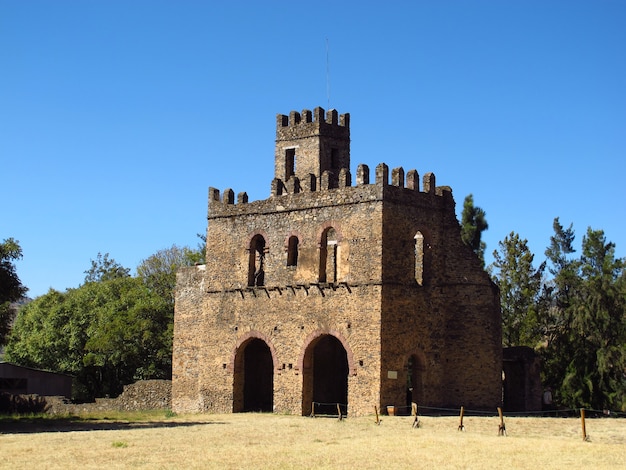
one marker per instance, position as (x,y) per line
(333,291)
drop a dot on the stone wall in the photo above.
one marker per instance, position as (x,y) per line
(139,396)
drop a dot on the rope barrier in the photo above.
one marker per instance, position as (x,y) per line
(409,410)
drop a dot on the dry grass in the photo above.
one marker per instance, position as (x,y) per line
(274,441)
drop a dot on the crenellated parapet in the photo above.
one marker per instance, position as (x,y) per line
(319,118)
(334,184)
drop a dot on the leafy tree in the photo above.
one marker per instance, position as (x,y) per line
(159,270)
(519,283)
(104,269)
(11,288)
(107,334)
(473,224)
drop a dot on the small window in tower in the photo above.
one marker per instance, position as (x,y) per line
(256,266)
(328,256)
(334,159)
(290,163)
(419,258)
(292,251)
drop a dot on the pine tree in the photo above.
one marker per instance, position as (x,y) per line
(473,224)
(519,283)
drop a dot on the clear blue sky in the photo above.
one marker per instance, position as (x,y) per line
(116,116)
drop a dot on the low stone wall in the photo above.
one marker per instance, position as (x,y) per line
(142,395)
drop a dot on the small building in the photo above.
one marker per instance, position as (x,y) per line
(522,381)
(357,292)
(20,380)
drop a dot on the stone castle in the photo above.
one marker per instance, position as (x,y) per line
(333,291)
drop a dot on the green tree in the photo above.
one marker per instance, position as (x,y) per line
(104,268)
(158,271)
(519,283)
(595,373)
(107,334)
(556,305)
(11,288)
(473,224)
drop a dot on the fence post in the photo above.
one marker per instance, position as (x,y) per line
(312,409)
(582,421)
(501,428)
(461,427)
(414,412)
(339,412)
(377,418)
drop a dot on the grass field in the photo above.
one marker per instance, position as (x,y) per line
(277,441)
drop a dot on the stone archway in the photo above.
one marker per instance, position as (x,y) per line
(325,376)
(414,380)
(253,387)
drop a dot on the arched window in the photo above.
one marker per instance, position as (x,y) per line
(292,251)
(419,258)
(328,256)
(256,266)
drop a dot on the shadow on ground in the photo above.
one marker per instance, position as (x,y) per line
(33,426)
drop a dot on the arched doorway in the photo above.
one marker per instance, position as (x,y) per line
(325,376)
(254,377)
(414,383)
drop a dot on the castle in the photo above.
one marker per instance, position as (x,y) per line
(330,292)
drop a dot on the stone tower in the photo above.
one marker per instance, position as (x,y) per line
(311,145)
(331,293)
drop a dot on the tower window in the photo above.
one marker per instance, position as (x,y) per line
(292,251)
(256,268)
(334,159)
(328,256)
(419,258)
(290,163)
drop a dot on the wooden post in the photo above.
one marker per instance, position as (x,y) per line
(377,418)
(414,412)
(339,412)
(582,421)
(501,428)
(461,427)
(312,409)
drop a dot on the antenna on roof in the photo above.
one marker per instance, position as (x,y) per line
(327,75)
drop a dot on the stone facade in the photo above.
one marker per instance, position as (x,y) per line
(332,292)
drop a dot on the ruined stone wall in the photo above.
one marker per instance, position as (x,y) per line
(189,337)
(139,396)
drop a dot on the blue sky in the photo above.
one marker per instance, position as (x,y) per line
(116,116)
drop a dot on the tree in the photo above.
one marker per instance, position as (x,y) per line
(556,305)
(104,269)
(584,358)
(159,270)
(473,224)
(595,375)
(519,283)
(11,288)
(107,334)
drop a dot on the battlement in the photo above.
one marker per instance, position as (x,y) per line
(318,116)
(409,182)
